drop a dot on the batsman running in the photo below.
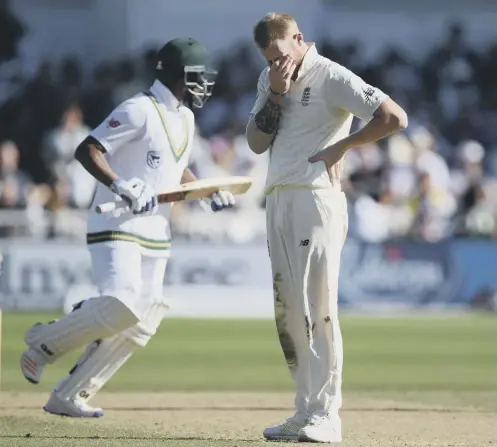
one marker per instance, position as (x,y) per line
(141,149)
(302,115)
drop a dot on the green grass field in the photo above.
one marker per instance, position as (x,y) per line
(418,363)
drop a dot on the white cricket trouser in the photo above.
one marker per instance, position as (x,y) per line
(122,271)
(306,230)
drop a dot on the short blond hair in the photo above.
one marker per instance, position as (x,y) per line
(271,27)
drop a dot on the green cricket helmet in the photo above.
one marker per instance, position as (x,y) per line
(186,59)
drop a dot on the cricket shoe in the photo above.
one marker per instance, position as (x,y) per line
(288,431)
(32,364)
(74,408)
(323,429)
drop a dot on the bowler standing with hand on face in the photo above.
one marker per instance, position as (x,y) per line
(303,115)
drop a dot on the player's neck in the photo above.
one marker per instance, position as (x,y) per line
(179,94)
(300,60)
(305,49)
(177,91)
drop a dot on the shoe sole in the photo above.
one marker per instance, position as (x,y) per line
(305,438)
(55,414)
(95,415)
(288,438)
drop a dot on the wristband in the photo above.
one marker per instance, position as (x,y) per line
(276,93)
(116,185)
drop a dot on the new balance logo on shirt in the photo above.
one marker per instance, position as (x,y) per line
(370,94)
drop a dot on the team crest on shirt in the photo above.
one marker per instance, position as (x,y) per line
(306,96)
(154,159)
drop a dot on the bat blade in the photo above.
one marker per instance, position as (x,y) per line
(195,190)
(200,189)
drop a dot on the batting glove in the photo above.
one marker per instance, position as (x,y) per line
(221,200)
(140,196)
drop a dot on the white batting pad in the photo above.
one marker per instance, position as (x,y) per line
(96,318)
(100,361)
(141,333)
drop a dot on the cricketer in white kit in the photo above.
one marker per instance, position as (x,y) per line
(303,115)
(141,149)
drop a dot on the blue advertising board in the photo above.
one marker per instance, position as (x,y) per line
(389,277)
(414,275)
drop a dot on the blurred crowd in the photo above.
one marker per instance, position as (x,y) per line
(435,180)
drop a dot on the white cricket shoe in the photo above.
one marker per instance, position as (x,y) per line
(288,431)
(322,429)
(75,408)
(32,364)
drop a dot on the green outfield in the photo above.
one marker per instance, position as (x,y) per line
(199,374)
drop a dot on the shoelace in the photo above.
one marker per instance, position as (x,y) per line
(317,420)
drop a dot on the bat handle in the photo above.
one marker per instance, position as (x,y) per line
(108,207)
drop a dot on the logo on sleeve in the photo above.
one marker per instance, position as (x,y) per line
(112,123)
(370,95)
(154,159)
(306,96)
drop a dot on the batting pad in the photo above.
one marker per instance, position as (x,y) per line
(141,333)
(96,318)
(96,366)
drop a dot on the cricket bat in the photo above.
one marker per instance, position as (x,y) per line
(195,190)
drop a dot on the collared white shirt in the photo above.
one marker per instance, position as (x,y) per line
(317,111)
(154,147)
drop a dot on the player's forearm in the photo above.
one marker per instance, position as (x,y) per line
(258,141)
(91,154)
(388,119)
(262,127)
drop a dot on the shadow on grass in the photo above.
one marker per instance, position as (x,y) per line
(124,438)
(260,409)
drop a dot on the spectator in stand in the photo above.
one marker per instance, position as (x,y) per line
(481,217)
(97,101)
(400,76)
(71,79)
(443,170)
(15,186)
(468,168)
(11,33)
(432,210)
(73,186)
(18,192)
(128,82)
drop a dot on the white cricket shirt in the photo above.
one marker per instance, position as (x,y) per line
(148,137)
(316,112)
